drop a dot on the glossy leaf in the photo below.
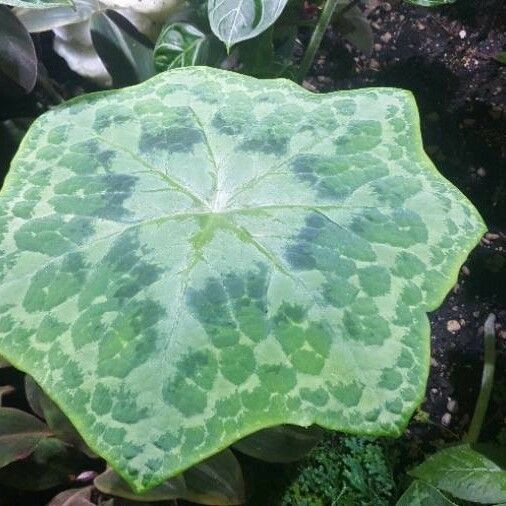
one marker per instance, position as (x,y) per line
(126,54)
(18,60)
(280,444)
(20,433)
(52,463)
(73,497)
(193,259)
(235,20)
(421,494)
(36,4)
(216,481)
(183,45)
(464,473)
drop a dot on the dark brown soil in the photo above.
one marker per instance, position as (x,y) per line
(446,57)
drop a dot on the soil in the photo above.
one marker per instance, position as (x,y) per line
(446,57)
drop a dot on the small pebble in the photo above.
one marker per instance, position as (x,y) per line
(446,419)
(481,172)
(491,236)
(462,34)
(452,405)
(465,270)
(386,37)
(433,362)
(453,326)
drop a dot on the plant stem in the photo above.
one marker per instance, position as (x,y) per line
(319,31)
(487,379)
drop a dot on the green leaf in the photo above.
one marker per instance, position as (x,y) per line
(73,497)
(431,3)
(20,433)
(52,463)
(4,363)
(422,494)
(5,390)
(464,473)
(235,20)
(18,60)
(183,45)
(191,260)
(280,444)
(59,424)
(125,52)
(217,481)
(36,20)
(36,4)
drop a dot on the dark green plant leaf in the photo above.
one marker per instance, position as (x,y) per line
(125,52)
(5,390)
(464,473)
(431,3)
(286,443)
(36,4)
(216,481)
(18,60)
(20,433)
(51,464)
(73,497)
(183,45)
(179,270)
(59,424)
(233,21)
(355,27)
(422,494)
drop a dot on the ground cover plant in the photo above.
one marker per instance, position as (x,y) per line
(208,269)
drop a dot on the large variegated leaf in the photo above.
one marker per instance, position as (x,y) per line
(204,255)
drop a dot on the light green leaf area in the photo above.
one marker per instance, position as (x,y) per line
(421,494)
(233,21)
(204,255)
(431,3)
(36,4)
(464,473)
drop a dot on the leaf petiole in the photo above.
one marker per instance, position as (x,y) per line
(487,380)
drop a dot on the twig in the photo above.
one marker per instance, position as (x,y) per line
(487,379)
(319,31)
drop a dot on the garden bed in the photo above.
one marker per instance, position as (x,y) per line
(447,59)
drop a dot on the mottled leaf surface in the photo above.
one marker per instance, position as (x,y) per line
(188,261)
(217,481)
